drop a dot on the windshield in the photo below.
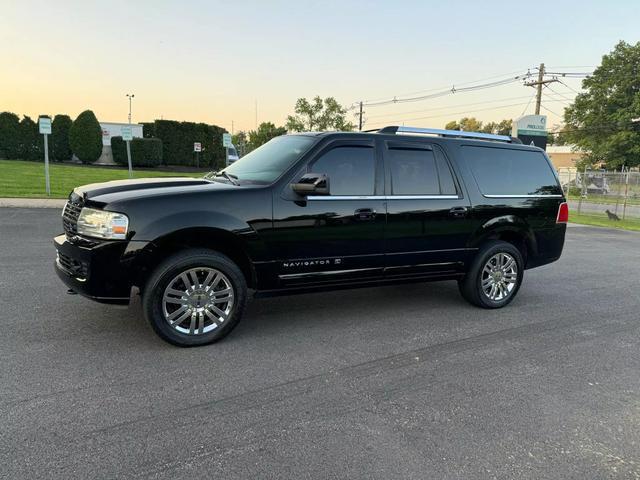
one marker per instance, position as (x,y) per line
(266,163)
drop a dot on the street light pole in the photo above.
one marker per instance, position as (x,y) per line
(130,96)
(128,142)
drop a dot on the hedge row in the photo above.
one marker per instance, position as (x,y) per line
(20,139)
(145,152)
(178,139)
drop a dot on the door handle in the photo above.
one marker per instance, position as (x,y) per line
(364,214)
(458,212)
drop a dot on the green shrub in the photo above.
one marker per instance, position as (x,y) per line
(9,135)
(31,143)
(148,129)
(145,152)
(59,144)
(85,137)
(178,139)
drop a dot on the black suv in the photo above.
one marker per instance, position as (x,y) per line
(316,211)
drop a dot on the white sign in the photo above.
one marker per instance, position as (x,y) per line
(113,129)
(127,133)
(226,140)
(197,147)
(535,125)
(44,124)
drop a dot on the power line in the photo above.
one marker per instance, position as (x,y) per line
(528,103)
(551,111)
(463,112)
(541,81)
(443,87)
(460,105)
(566,85)
(560,94)
(450,91)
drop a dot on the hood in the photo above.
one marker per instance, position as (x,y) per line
(107,192)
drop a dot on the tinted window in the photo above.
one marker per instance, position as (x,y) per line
(351,170)
(447,185)
(502,171)
(419,172)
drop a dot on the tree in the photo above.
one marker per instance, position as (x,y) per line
(471,124)
(60,137)
(241,141)
(498,128)
(468,124)
(9,135)
(265,132)
(31,146)
(318,115)
(85,137)
(599,121)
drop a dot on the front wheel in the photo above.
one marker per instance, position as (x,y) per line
(495,276)
(195,297)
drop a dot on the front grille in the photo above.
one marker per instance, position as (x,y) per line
(75,267)
(70,216)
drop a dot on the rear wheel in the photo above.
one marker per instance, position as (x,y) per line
(195,297)
(495,276)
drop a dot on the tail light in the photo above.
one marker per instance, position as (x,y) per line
(563,213)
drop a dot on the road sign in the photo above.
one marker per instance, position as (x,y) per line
(44,124)
(197,147)
(226,140)
(127,133)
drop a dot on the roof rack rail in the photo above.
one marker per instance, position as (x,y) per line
(450,133)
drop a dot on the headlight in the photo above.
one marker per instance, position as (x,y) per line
(103,224)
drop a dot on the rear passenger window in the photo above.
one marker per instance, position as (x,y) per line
(419,171)
(504,172)
(351,170)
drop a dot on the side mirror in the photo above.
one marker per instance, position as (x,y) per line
(312,184)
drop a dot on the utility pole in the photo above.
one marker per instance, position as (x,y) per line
(360,118)
(539,94)
(539,84)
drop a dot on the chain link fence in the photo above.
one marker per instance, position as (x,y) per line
(612,195)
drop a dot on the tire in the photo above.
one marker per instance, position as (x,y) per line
(476,286)
(195,297)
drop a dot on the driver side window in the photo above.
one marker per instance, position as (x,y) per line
(351,170)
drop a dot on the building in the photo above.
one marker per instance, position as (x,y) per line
(564,156)
(111,129)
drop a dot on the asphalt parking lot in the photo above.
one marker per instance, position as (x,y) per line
(395,382)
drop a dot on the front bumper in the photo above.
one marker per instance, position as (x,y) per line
(103,271)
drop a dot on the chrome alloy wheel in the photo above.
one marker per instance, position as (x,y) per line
(499,276)
(198,300)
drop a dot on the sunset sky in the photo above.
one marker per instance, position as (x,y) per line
(212,61)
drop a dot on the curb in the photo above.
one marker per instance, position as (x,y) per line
(32,202)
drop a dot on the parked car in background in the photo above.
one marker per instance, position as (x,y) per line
(232,155)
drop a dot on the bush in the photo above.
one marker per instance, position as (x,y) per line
(85,137)
(145,152)
(178,139)
(31,143)
(59,145)
(9,135)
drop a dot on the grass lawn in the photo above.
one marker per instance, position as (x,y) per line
(26,179)
(603,221)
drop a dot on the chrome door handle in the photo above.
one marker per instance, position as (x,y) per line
(458,212)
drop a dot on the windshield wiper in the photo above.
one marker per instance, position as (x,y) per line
(232,178)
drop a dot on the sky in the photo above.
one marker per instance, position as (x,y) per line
(215,62)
